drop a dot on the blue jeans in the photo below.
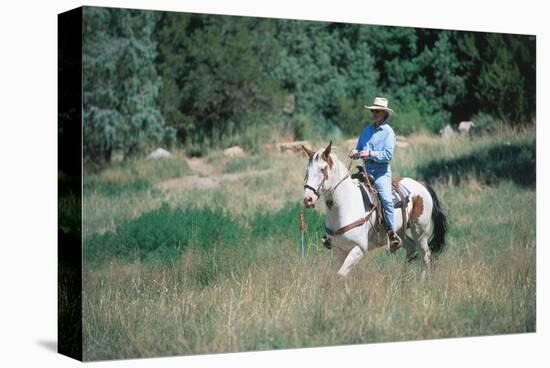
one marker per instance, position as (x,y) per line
(382,183)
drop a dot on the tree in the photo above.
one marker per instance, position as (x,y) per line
(120,83)
(217,91)
(329,69)
(420,74)
(501,75)
(505,86)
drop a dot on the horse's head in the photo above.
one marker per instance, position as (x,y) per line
(317,174)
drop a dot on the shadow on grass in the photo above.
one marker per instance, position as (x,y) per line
(505,161)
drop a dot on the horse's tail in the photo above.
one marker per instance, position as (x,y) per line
(437,240)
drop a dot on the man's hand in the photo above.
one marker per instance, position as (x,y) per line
(353,153)
(364,154)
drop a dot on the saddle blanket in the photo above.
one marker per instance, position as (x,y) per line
(396,199)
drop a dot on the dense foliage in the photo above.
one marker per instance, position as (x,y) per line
(120,83)
(214,81)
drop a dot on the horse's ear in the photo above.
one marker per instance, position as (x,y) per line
(326,154)
(309,152)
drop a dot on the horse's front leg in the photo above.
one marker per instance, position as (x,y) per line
(353,257)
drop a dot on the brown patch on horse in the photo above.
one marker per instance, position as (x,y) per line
(330,162)
(417,208)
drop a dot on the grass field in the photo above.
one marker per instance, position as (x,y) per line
(188,270)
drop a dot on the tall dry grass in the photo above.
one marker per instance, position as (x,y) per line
(133,310)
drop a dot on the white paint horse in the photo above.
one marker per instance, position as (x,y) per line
(354,231)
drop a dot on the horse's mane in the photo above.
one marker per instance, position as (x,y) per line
(338,167)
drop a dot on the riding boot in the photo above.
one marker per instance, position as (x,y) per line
(325,240)
(395,241)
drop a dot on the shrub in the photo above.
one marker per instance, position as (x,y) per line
(486,122)
(351,115)
(162,234)
(285,222)
(302,127)
(416,116)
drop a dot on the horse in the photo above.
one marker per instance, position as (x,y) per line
(354,231)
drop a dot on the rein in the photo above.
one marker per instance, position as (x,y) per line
(333,189)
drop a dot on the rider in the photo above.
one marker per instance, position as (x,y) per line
(375,146)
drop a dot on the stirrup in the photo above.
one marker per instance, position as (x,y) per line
(395,241)
(326,242)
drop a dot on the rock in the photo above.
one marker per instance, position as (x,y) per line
(464,127)
(160,153)
(446,132)
(234,151)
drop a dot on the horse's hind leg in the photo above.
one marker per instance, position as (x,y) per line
(420,234)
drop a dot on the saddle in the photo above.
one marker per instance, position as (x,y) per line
(371,198)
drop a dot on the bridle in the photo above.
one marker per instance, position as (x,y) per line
(330,191)
(317,191)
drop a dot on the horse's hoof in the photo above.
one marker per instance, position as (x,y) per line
(395,242)
(326,242)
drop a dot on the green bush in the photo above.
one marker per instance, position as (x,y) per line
(351,115)
(302,127)
(162,234)
(486,122)
(285,223)
(417,116)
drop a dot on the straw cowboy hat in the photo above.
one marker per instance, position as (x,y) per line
(380,103)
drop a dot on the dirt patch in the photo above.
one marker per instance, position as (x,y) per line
(200,167)
(207,177)
(190,181)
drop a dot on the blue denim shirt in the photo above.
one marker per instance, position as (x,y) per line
(381,142)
